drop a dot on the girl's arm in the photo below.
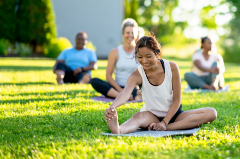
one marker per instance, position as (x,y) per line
(176,86)
(112,60)
(133,80)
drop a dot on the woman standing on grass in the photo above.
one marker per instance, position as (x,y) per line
(120,59)
(160,84)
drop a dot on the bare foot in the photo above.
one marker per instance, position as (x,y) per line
(215,88)
(113,123)
(130,98)
(60,79)
(138,97)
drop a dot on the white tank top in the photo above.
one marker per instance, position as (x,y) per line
(125,65)
(157,99)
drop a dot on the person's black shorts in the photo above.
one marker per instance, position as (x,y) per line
(69,77)
(179,111)
(103,87)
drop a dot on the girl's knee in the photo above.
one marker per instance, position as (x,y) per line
(211,114)
(138,115)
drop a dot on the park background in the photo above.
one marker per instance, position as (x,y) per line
(39,119)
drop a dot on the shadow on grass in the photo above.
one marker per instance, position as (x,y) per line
(25,68)
(27,83)
(78,124)
(232,79)
(85,94)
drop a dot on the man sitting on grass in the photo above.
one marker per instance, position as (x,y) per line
(73,65)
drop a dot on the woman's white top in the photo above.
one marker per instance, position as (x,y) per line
(157,99)
(213,57)
(125,65)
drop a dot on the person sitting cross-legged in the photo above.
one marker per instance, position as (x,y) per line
(208,68)
(74,65)
(121,60)
(160,85)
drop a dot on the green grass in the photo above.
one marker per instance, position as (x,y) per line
(39,119)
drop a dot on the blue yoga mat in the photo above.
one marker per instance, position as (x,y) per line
(189,90)
(153,133)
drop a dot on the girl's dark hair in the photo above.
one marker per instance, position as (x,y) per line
(149,42)
(203,40)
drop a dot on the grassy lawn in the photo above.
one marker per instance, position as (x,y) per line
(39,119)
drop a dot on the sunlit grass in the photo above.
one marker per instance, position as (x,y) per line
(39,119)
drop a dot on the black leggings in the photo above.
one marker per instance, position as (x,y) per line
(103,87)
(179,111)
(69,77)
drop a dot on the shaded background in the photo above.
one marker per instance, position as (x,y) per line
(31,28)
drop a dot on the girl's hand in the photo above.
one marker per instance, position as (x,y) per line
(150,126)
(110,113)
(160,126)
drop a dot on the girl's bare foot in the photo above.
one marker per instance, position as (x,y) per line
(138,97)
(113,123)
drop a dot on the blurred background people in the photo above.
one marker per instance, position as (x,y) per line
(208,68)
(120,58)
(74,65)
(141,33)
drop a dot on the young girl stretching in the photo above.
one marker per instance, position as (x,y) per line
(160,85)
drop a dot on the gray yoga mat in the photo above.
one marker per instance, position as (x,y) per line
(145,133)
(189,90)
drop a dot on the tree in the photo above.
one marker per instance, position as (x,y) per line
(155,16)
(7,19)
(35,22)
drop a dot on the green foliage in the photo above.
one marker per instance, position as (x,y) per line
(35,22)
(208,20)
(131,7)
(40,119)
(232,53)
(91,46)
(156,16)
(232,50)
(56,47)
(8,19)
(4,45)
(23,49)
(29,22)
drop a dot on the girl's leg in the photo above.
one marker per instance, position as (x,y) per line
(193,118)
(140,119)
